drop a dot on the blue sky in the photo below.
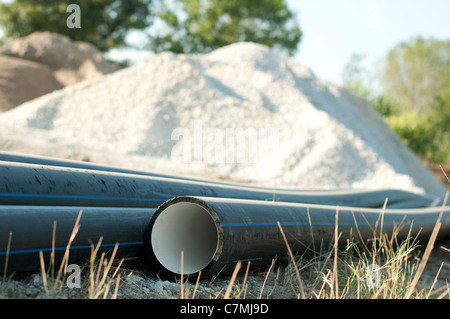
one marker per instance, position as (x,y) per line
(335,29)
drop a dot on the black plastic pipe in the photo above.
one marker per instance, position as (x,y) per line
(51,161)
(32,229)
(397,197)
(36,186)
(33,184)
(215,233)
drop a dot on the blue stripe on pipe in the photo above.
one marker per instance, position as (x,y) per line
(80,197)
(286,224)
(27,251)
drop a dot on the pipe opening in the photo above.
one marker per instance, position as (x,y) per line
(187,227)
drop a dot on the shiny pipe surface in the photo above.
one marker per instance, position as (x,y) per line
(27,230)
(397,197)
(33,184)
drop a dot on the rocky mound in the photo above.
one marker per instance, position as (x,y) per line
(22,80)
(42,62)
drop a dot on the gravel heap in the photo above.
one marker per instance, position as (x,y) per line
(172,113)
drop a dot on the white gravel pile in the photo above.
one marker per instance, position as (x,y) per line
(173,113)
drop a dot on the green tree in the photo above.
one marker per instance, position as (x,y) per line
(200,26)
(440,119)
(412,76)
(104,23)
(358,78)
(355,76)
(415,93)
(416,78)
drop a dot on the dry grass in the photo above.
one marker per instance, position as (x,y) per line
(382,267)
(379,268)
(104,273)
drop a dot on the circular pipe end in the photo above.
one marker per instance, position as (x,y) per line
(184,231)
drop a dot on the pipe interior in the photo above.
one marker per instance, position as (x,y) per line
(186,227)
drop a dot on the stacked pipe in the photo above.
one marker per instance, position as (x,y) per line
(214,224)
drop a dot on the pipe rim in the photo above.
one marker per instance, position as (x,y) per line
(197,232)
